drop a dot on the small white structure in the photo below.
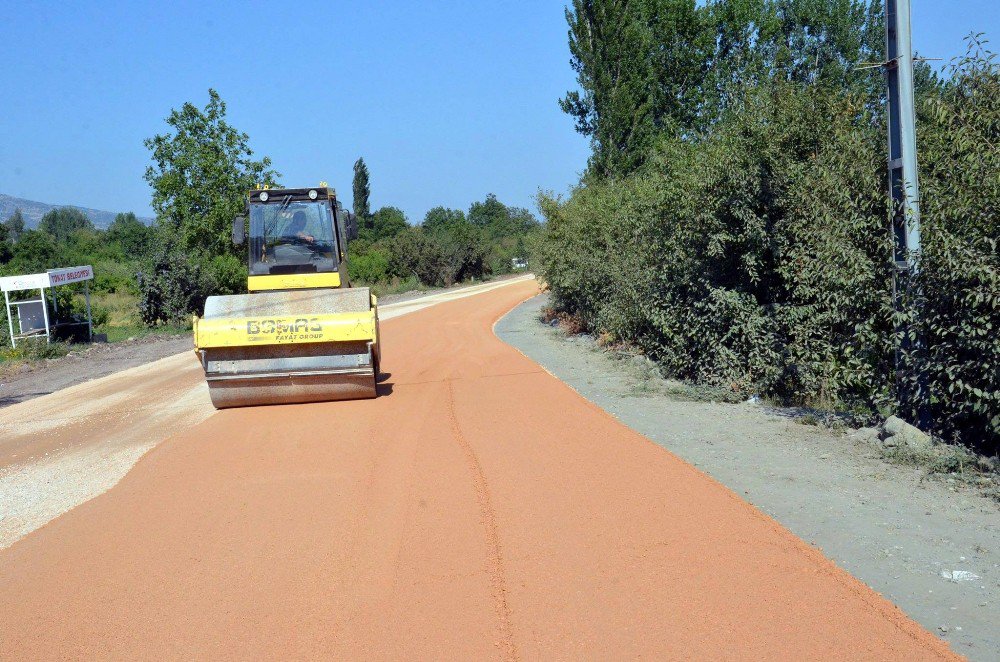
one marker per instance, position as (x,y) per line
(33,314)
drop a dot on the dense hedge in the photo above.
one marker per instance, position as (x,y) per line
(756,254)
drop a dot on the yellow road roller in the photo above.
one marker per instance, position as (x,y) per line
(302,334)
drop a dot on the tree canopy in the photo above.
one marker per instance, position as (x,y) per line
(201,172)
(129,233)
(362,192)
(387,222)
(14,225)
(62,222)
(499,220)
(647,67)
(35,251)
(440,218)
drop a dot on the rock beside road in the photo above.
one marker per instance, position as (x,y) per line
(897,432)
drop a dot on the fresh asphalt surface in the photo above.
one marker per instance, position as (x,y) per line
(60,449)
(479,508)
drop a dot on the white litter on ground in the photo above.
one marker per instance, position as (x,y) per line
(959,576)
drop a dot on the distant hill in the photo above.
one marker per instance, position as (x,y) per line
(33,212)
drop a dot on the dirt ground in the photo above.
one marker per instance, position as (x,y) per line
(901,533)
(478,509)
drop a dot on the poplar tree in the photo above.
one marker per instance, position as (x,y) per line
(362,191)
(640,66)
(15,225)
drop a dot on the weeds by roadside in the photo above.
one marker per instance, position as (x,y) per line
(902,444)
(399,286)
(34,350)
(12,360)
(134,332)
(647,380)
(571,324)
(956,465)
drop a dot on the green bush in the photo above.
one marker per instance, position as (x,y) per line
(956,310)
(33,349)
(370,266)
(228,274)
(956,302)
(756,255)
(172,285)
(115,276)
(414,252)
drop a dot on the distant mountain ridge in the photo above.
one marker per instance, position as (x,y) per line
(33,212)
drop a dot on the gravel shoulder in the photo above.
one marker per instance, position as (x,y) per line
(32,380)
(930,547)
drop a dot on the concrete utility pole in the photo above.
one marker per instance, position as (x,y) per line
(903,182)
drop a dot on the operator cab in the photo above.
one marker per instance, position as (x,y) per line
(292,237)
(295,232)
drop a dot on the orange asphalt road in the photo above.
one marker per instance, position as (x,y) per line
(478,509)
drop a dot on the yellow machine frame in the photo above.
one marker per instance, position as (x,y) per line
(248,331)
(293,281)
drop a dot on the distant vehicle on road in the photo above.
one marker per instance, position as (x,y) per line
(519,263)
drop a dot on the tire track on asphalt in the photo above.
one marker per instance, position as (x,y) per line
(376,533)
(494,553)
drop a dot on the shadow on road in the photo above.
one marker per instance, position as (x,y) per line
(21,397)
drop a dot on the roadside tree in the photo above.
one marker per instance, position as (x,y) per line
(200,174)
(387,222)
(130,234)
(15,225)
(61,223)
(362,192)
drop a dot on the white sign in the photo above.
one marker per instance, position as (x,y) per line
(25,282)
(50,278)
(70,275)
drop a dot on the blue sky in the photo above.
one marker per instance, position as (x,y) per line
(447,101)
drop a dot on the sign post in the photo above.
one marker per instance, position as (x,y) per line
(48,280)
(10,318)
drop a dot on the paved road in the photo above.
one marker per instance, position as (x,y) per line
(478,509)
(63,448)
